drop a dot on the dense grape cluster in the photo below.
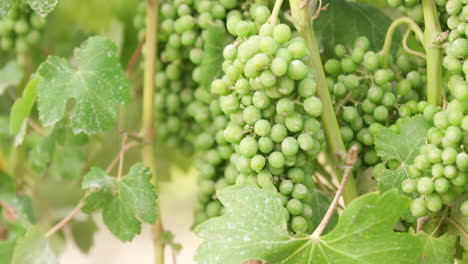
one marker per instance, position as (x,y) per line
(367,95)
(20,30)
(414,8)
(268,93)
(439,172)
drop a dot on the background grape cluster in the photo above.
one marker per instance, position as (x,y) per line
(439,172)
(368,96)
(20,30)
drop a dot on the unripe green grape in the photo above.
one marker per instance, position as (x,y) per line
(313,106)
(286,187)
(425,185)
(449,156)
(409,186)
(464,208)
(281,33)
(297,70)
(459,180)
(248,147)
(295,207)
(289,146)
(333,67)
(348,65)
(418,207)
(276,159)
(380,113)
(265,145)
(347,134)
(299,224)
(300,191)
(297,175)
(433,202)
(257,163)
(297,49)
(294,122)
(450,171)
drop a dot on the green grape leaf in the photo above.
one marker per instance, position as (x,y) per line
(42,7)
(342,22)
(60,152)
(96,83)
(125,203)
(33,248)
(212,61)
(10,74)
(23,106)
(460,220)
(6,250)
(7,183)
(255,227)
(437,250)
(83,233)
(5,6)
(320,202)
(167,238)
(403,147)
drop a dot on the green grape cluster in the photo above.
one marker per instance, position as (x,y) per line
(413,8)
(439,172)
(268,93)
(20,30)
(366,95)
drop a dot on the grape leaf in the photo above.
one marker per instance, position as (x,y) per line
(6,250)
(437,250)
(124,202)
(320,202)
(5,6)
(459,219)
(210,66)
(83,233)
(23,106)
(33,248)
(10,74)
(254,227)
(342,22)
(97,84)
(60,153)
(403,147)
(42,7)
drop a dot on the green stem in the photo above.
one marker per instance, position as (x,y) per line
(147,150)
(275,12)
(391,31)
(330,124)
(433,52)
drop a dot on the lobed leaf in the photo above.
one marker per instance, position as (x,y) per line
(125,203)
(403,147)
(33,248)
(342,22)
(255,228)
(97,84)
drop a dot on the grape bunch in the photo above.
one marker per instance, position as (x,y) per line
(414,8)
(439,172)
(367,95)
(20,30)
(268,94)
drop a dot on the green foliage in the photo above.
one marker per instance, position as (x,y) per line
(10,75)
(402,147)
(83,233)
(343,21)
(212,60)
(255,227)
(42,7)
(125,203)
(437,250)
(23,106)
(97,83)
(33,248)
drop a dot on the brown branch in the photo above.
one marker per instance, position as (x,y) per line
(121,156)
(65,220)
(351,159)
(135,56)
